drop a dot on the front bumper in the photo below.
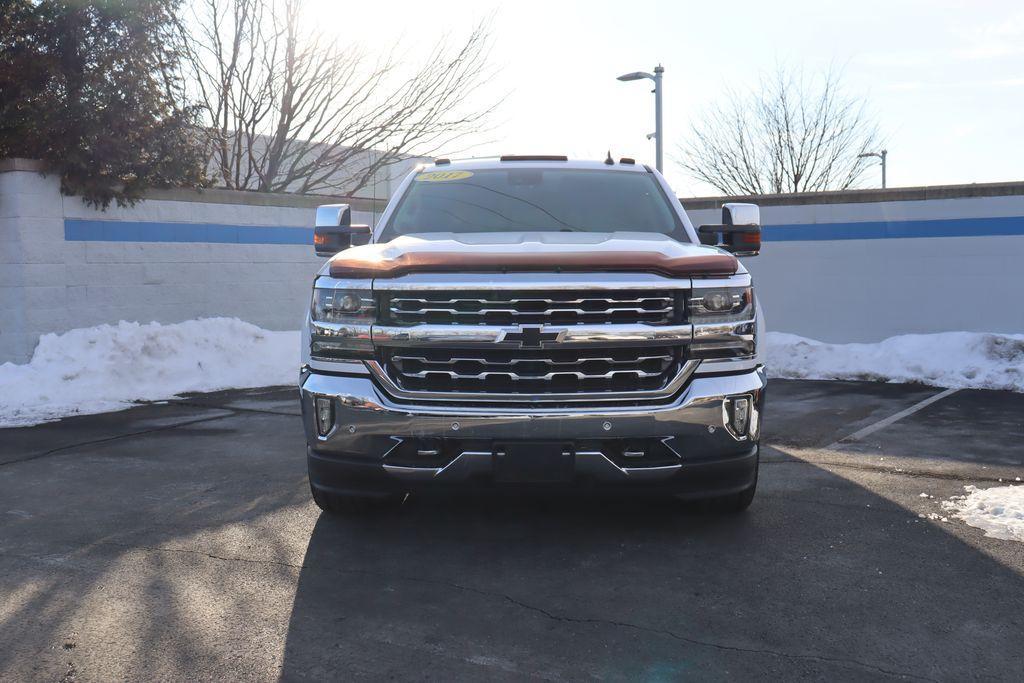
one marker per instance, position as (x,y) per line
(379,446)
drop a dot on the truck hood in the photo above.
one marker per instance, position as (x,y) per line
(440,252)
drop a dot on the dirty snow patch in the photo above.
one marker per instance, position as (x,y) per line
(998,511)
(108,367)
(956,360)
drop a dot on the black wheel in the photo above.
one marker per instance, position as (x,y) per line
(342,504)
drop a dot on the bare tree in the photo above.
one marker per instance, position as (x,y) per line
(290,109)
(789,136)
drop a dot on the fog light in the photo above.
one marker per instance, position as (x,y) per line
(324,415)
(740,415)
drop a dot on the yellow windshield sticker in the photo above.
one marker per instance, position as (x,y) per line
(443,176)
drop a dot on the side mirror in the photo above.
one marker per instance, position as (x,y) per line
(740,230)
(334,230)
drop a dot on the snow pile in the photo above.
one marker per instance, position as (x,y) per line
(998,511)
(108,367)
(958,360)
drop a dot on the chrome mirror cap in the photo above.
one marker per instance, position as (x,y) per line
(333,215)
(736,213)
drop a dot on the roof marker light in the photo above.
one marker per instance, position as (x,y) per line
(533,157)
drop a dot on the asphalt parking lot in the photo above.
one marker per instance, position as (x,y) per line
(178,541)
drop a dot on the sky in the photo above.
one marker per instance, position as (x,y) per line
(944,79)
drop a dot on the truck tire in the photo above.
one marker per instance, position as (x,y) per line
(731,504)
(734,503)
(341,504)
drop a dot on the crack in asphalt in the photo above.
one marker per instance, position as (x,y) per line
(230,409)
(128,435)
(695,641)
(201,553)
(237,409)
(840,661)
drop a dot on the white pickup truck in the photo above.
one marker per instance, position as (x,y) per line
(533,323)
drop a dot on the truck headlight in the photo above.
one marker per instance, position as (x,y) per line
(721,304)
(341,321)
(723,322)
(343,306)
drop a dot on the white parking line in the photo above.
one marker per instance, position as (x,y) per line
(882,424)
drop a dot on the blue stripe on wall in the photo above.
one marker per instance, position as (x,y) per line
(874,230)
(78,230)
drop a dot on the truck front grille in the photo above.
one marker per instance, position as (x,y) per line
(564,307)
(529,372)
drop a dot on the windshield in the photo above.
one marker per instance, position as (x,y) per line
(497,200)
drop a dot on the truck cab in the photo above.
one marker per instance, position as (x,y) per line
(533,324)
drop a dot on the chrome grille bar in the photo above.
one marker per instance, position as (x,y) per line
(682,375)
(405,300)
(594,344)
(554,310)
(532,371)
(524,306)
(516,377)
(579,336)
(515,361)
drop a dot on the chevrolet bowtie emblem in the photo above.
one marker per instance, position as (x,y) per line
(532,336)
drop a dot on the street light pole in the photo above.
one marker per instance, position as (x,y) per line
(881,155)
(658,133)
(658,130)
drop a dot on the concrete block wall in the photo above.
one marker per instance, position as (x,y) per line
(65,265)
(840,267)
(865,265)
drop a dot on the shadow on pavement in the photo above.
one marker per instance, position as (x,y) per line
(156,557)
(820,578)
(194,552)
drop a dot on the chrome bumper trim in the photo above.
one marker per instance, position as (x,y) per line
(724,365)
(639,473)
(370,426)
(359,394)
(393,390)
(413,473)
(593,463)
(339,338)
(350,367)
(742,330)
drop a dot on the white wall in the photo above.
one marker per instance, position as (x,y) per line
(49,284)
(830,289)
(845,290)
